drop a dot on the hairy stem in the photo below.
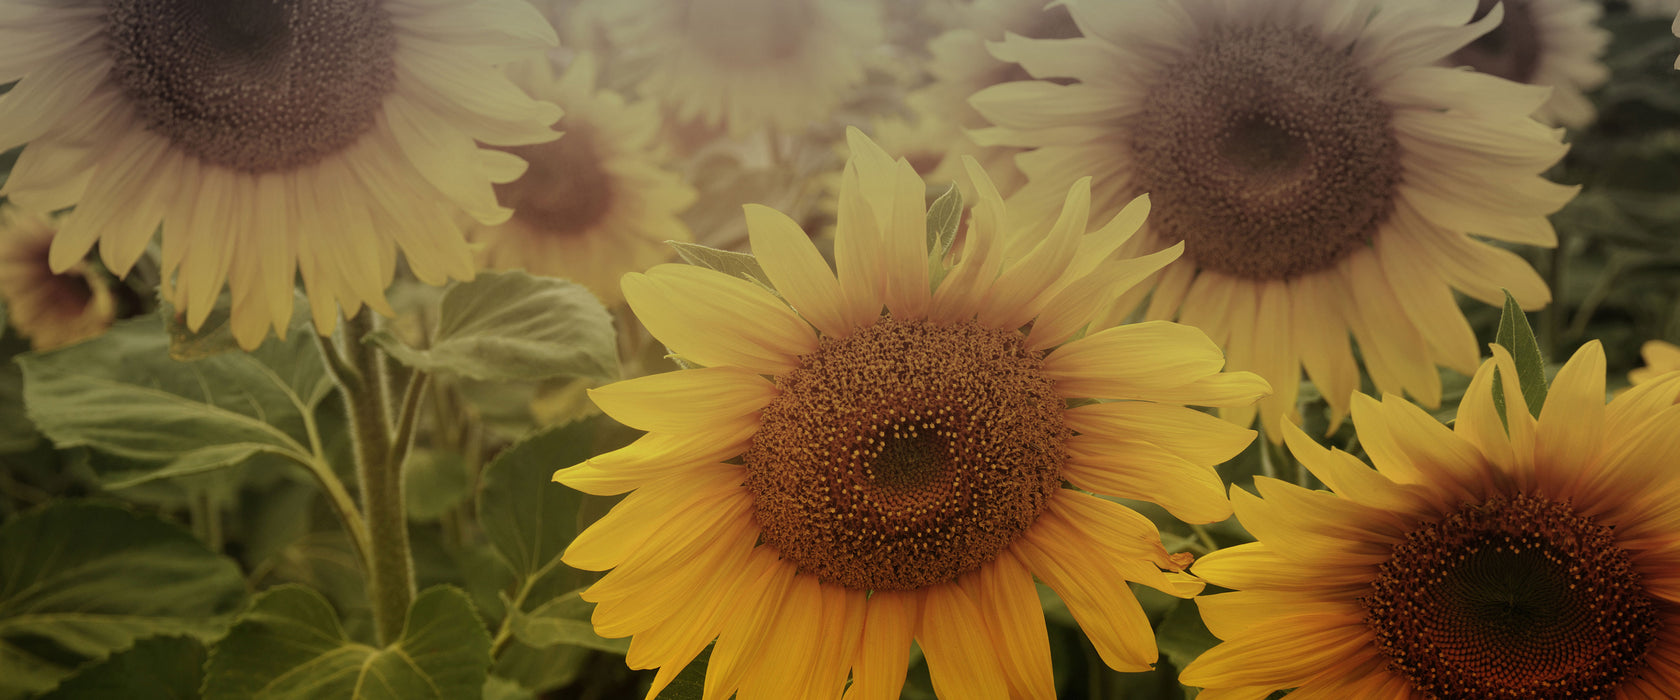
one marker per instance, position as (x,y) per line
(360,372)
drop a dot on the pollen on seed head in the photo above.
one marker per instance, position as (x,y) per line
(1514,598)
(1266,152)
(906,454)
(254,85)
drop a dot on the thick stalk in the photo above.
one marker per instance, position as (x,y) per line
(379,472)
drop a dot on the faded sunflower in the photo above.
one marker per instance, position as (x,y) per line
(595,203)
(745,64)
(1321,172)
(1660,358)
(50,309)
(268,140)
(961,66)
(883,461)
(1539,561)
(1556,43)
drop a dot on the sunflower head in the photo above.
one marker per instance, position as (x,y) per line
(52,309)
(881,450)
(1510,556)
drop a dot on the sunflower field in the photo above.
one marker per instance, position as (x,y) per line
(840,349)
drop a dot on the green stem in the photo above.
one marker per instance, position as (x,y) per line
(379,471)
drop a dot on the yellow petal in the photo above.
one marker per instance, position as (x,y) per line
(656,455)
(1186,432)
(1110,615)
(960,654)
(685,401)
(616,536)
(1133,360)
(1571,428)
(796,269)
(714,319)
(883,653)
(1141,471)
(1003,590)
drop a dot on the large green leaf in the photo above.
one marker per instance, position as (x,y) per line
(160,668)
(79,580)
(123,394)
(563,620)
(290,645)
(528,517)
(511,326)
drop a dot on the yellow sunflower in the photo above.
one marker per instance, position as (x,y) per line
(595,203)
(1537,561)
(1660,358)
(50,309)
(1321,172)
(268,140)
(1556,43)
(878,458)
(961,66)
(745,64)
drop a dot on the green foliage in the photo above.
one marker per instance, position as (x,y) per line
(728,262)
(81,580)
(511,326)
(123,393)
(160,668)
(435,482)
(563,620)
(290,645)
(527,516)
(1517,338)
(942,219)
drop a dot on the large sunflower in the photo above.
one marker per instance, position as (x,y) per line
(1322,174)
(884,461)
(745,64)
(50,309)
(268,139)
(1538,561)
(595,203)
(1556,43)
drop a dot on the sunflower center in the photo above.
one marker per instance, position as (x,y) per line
(1267,153)
(566,188)
(254,85)
(1511,50)
(1512,598)
(906,454)
(750,33)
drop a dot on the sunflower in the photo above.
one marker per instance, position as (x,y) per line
(1322,174)
(51,309)
(595,203)
(883,461)
(268,139)
(961,66)
(1556,43)
(745,64)
(1660,358)
(1539,560)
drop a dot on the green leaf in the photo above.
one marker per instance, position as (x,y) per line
(160,668)
(434,481)
(942,219)
(527,516)
(499,688)
(1517,337)
(728,262)
(563,620)
(290,645)
(123,394)
(511,326)
(80,580)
